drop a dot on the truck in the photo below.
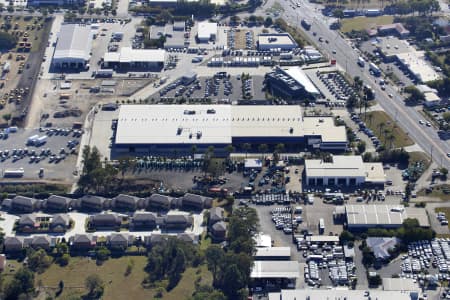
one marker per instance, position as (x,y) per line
(117,36)
(32,139)
(13,173)
(64,96)
(321,226)
(197,59)
(374,69)
(104,73)
(361,62)
(306,24)
(41,141)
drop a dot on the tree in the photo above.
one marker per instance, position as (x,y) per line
(246,147)
(38,261)
(415,96)
(346,236)
(194,149)
(22,283)
(338,13)
(234,281)
(207,292)
(229,149)
(102,253)
(444,172)
(268,22)
(361,147)
(7,41)
(94,284)
(214,256)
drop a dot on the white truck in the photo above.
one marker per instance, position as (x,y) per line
(32,139)
(361,62)
(375,70)
(13,173)
(41,141)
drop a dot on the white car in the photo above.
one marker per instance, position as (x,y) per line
(428,124)
(391,96)
(421,122)
(334,51)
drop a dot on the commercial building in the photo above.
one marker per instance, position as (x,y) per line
(281,273)
(384,216)
(393,29)
(381,246)
(291,84)
(127,57)
(278,42)
(73,47)
(343,171)
(207,31)
(273,253)
(169,128)
(54,2)
(342,294)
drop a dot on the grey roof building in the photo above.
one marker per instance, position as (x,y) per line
(196,201)
(216,214)
(83,241)
(58,203)
(23,204)
(104,221)
(143,221)
(42,241)
(119,240)
(60,222)
(381,246)
(188,237)
(126,202)
(73,47)
(27,222)
(154,238)
(90,202)
(158,201)
(219,231)
(13,244)
(177,221)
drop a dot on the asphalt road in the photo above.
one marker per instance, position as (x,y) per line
(346,56)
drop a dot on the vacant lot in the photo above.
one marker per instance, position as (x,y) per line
(441,192)
(363,23)
(384,127)
(117,285)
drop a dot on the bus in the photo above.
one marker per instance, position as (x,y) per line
(321,226)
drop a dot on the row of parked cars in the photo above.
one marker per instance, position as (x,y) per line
(337,85)
(284,220)
(442,218)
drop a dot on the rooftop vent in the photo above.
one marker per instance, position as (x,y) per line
(179,130)
(199,134)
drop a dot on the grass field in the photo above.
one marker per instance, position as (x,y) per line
(362,23)
(438,192)
(117,285)
(373,121)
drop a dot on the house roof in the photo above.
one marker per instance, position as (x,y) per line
(92,199)
(381,246)
(12,241)
(41,240)
(118,237)
(161,199)
(187,237)
(24,200)
(83,238)
(28,219)
(55,199)
(216,213)
(219,226)
(126,199)
(105,217)
(177,219)
(60,219)
(144,216)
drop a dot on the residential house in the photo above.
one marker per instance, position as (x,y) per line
(13,244)
(83,241)
(216,214)
(177,221)
(42,242)
(105,221)
(125,202)
(191,238)
(90,202)
(381,246)
(219,231)
(193,201)
(157,201)
(23,204)
(154,238)
(27,223)
(58,203)
(143,221)
(119,240)
(60,223)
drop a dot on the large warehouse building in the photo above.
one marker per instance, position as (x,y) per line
(276,42)
(148,59)
(207,31)
(73,47)
(343,171)
(168,128)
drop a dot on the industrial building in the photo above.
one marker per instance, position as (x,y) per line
(169,128)
(343,171)
(278,42)
(73,47)
(148,59)
(384,216)
(273,253)
(275,273)
(291,84)
(207,31)
(342,294)
(414,62)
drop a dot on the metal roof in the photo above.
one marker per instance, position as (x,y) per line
(341,294)
(299,75)
(74,42)
(349,166)
(275,269)
(206,29)
(273,252)
(129,55)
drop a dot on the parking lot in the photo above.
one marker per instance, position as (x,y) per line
(56,155)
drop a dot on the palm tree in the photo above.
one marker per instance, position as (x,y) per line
(229,149)
(246,147)
(279,148)
(194,149)
(263,148)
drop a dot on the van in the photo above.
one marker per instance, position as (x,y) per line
(359,199)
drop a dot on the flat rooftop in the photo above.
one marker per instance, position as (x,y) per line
(383,214)
(74,41)
(349,166)
(400,284)
(218,124)
(276,39)
(273,252)
(275,269)
(416,63)
(391,46)
(206,29)
(129,55)
(340,294)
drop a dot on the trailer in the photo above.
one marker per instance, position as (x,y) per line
(374,68)
(17,173)
(64,96)
(41,141)
(32,139)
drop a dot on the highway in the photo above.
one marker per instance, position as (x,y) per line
(406,117)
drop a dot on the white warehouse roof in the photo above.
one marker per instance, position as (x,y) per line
(275,269)
(217,124)
(342,294)
(206,30)
(299,75)
(74,42)
(129,55)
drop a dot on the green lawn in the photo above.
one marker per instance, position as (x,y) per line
(362,23)
(373,121)
(439,192)
(117,285)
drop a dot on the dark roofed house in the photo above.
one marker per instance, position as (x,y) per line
(23,204)
(219,231)
(58,203)
(157,201)
(13,244)
(106,221)
(126,202)
(154,238)
(60,223)
(143,221)
(177,221)
(41,241)
(216,214)
(27,223)
(90,202)
(196,201)
(188,237)
(119,240)
(83,241)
